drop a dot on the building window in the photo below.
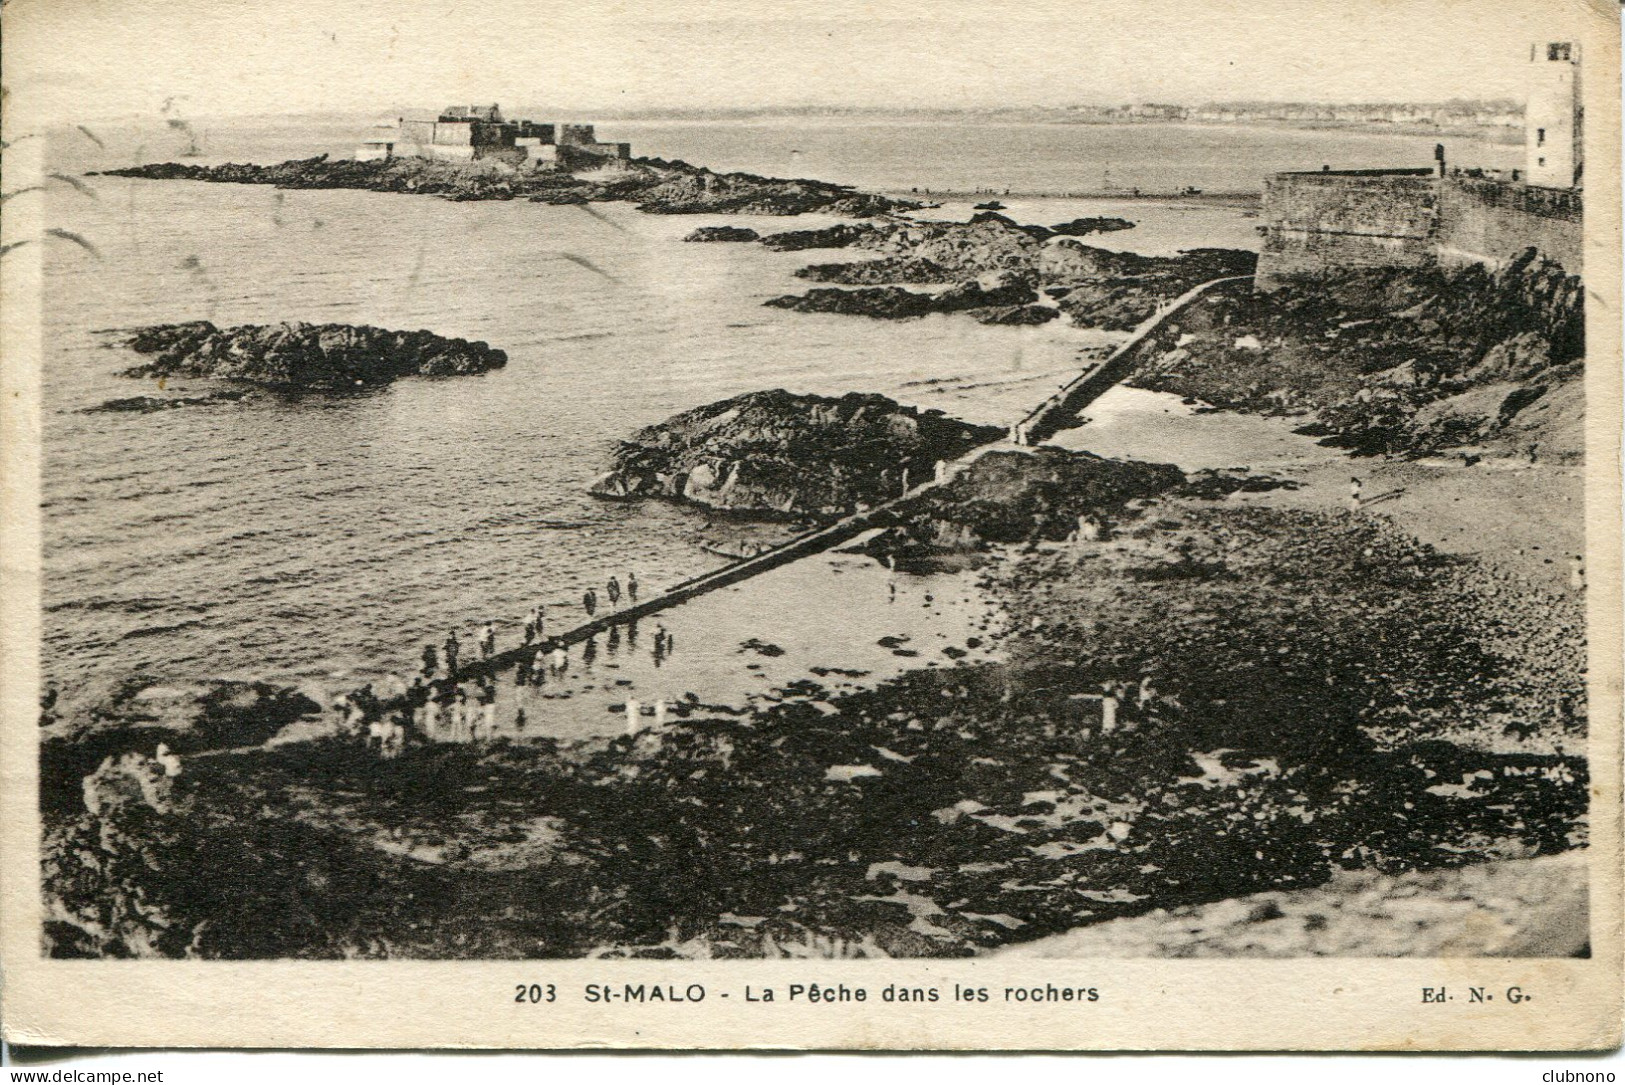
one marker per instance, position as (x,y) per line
(1557,50)
(1540,161)
(1540,137)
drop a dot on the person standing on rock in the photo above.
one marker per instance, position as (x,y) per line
(1108,712)
(488,640)
(488,710)
(614,589)
(431,715)
(589,601)
(632,589)
(431,661)
(634,716)
(561,659)
(1356,488)
(451,648)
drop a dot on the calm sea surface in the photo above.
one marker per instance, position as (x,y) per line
(307,537)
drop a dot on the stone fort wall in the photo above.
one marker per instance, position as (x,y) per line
(1320,222)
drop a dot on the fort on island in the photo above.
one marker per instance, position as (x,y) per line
(1443,214)
(481,134)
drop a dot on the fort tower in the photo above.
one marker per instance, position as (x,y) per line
(1552,117)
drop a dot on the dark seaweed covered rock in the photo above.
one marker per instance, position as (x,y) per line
(998,289)
(1096,225)
(154,404)
(305,356)
(789,455)
(887,269)
(1021,496)
(1016,315)
(723,233)
(1396,361)
(839,236)
(1118,290)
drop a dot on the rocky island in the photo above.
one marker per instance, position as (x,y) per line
(304,357)
(779,454)
(655,185)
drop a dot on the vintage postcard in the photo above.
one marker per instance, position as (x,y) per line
(812,525)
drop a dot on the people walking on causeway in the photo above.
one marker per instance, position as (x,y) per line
(632,588)
(614,589)
(589,601)
(451,648)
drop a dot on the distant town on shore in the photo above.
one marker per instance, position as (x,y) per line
(1452,114)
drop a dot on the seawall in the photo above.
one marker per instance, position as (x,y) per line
(1320,222)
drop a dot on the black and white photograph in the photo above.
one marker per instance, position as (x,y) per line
(825,483)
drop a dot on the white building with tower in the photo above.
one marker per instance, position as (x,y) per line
(1553,116)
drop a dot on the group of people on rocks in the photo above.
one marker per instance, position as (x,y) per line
(589,598)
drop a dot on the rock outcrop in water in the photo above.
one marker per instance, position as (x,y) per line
(1396,361)
(155,404)
(305,356)
(838,236)
(993,296)
(655,185)
(1081,227)
(723,233)
(785,455)
(1099,288)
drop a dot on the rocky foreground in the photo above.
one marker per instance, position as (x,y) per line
(303,357)
(793,456)
(995,269)
(655,185)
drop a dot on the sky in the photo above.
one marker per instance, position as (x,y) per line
(70,60)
